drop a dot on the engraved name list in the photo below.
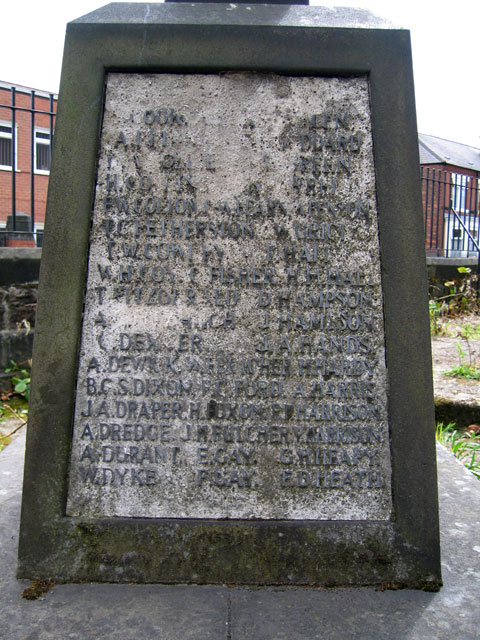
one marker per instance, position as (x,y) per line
(232,362)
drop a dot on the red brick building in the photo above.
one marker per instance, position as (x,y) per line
(27,121)
(450,192)
(450,178)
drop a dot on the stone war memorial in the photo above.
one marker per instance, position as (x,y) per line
(232,375)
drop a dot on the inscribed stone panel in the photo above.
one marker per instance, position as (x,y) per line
(232,362)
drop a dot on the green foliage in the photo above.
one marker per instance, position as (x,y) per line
(462,298)
(14,404)
(22,386)
(469,332)
(463,371)
(464,446)
(436,309)
(463,293)
(20,379)
(17,408)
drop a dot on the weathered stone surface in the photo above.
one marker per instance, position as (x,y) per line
(232,361)
(18,304)
(17,346)
(19,265)
(174,39)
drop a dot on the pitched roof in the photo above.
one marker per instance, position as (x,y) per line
(435,150)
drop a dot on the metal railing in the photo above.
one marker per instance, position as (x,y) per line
(451,213)
(451,204)
(18,227)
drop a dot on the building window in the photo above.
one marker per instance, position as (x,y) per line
(458,242)
(39,234)
(459,192)
(7,153)
(42,151)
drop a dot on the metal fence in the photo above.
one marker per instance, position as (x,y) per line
(27,121)
(450,200)
(451,213)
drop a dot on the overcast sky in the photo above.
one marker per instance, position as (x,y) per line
(445,43)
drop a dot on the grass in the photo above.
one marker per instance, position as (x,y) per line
(464,446)
(463,371)
(472,332)
(469,370)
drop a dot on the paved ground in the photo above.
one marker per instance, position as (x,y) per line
(148,612)
(445,355)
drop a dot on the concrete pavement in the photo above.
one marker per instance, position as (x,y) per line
(148,612)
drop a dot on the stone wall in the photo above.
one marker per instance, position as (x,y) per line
(19,269)
(19,272)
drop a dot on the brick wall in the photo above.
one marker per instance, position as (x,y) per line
(25,125)
(436,197)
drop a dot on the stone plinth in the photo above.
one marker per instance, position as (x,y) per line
(239,389)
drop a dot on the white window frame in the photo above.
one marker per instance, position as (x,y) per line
(45,143)
(459,192)
(8,136)
(459,244)
(38,226)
